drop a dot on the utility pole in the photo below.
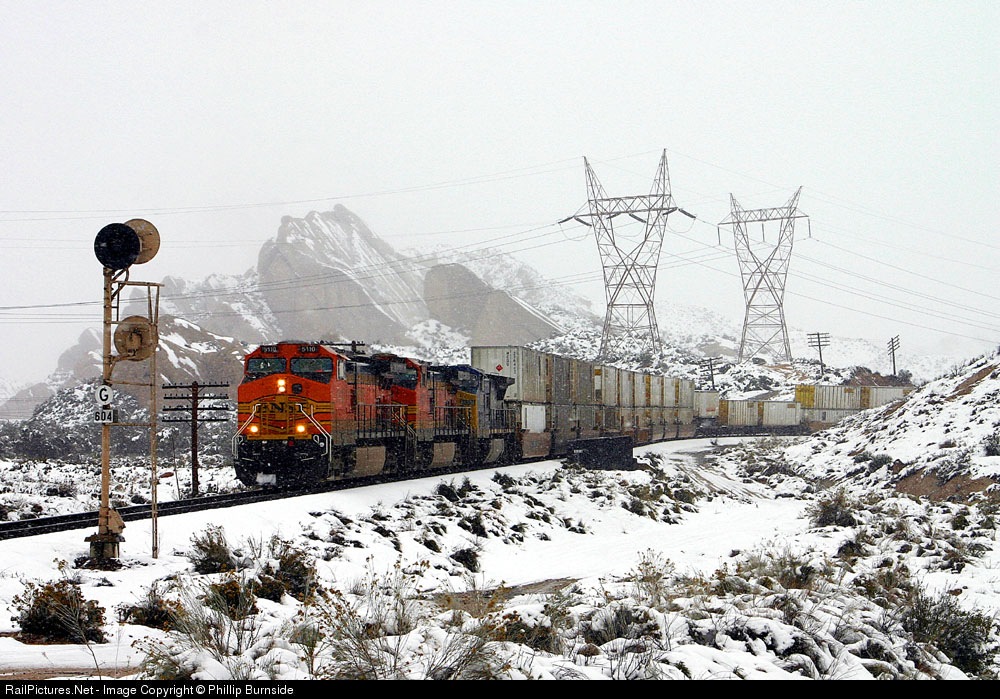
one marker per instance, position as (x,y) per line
(764,278)
(819,341)
(194,399)
(708,366)
(629,261)
(893,346)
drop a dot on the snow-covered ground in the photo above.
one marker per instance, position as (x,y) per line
(707,563)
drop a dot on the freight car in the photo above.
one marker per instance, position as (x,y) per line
(815,407)
(310,412)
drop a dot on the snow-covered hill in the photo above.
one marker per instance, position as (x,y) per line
(944,438)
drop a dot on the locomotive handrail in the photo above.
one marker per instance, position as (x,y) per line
(242,427)
(318,426)
(451,418)
(245,424)
(384,419)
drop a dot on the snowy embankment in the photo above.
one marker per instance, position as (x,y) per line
(708,563)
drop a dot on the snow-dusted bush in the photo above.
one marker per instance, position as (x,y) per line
(154,610)
(836,508)
(968,638)
(56,612)
(210,552)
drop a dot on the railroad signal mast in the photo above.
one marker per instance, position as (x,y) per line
(764,275)
(629,262)
(117,247)
(194,398)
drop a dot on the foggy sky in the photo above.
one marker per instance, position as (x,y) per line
(458,123)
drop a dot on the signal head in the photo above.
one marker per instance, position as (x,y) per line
(120,245)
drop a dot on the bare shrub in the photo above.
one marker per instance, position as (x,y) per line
(466,656)
(210,552)
(967,638)
(513,628)
(467,557)
(651,578)
(835,509)
(289,570)
(618,620)
(784,568)
(991,444)
(213,622)
(233,597)
(153,610)
(56,612)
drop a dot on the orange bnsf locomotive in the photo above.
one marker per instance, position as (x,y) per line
(310,412)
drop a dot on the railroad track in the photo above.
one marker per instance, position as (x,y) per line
(83,520)
(132,513)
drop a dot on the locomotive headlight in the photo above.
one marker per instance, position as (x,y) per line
(300,428)
(281,385)
(254,429)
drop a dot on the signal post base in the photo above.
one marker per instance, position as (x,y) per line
(104,547)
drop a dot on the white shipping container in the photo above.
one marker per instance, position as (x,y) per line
(742,413)
(874,396)
(826,416)
(670,390)
(685,393)
(609,385)
(643,387)
(527,367)
(626,388)
(777,413)
(656,391)
(533,418)
(837,397)
(684,415)
(706,403)
(628,418)
(582,379)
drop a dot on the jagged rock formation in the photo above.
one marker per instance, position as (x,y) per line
(461,300)
(232,306)
(323,277)
(327,276)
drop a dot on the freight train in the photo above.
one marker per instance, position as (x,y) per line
(311,412)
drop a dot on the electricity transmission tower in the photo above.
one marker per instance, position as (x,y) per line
(764,329)
(629,261)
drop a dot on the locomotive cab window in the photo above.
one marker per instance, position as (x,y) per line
(404,376)
(259,367)
(313,368)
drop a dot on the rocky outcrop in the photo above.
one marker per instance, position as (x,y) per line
(458,298)
(327,276)
(324,277)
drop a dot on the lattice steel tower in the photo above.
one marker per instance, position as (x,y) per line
(764,329)
(629,261)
